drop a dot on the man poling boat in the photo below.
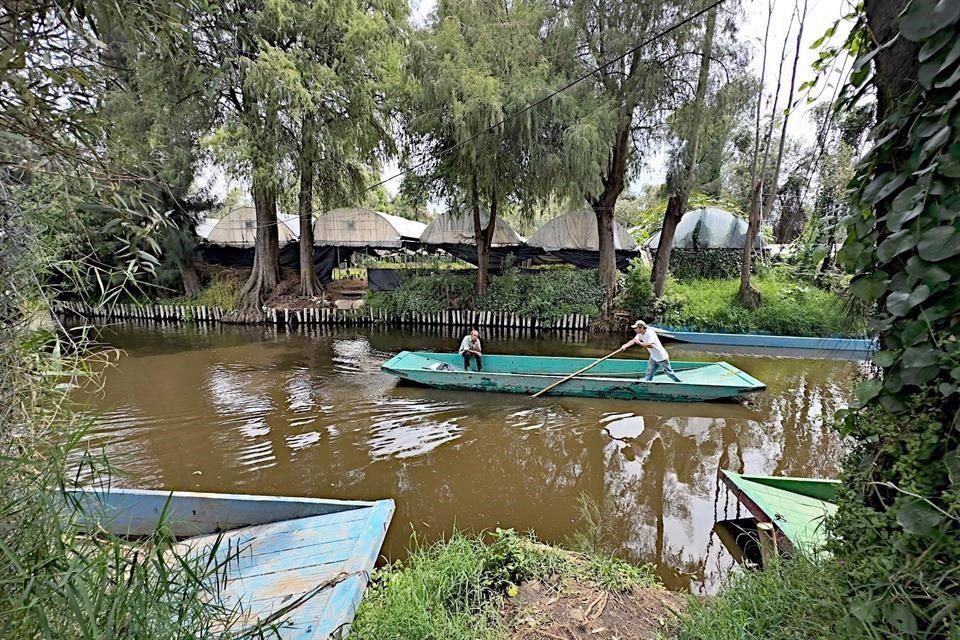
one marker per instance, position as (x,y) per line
(659,358)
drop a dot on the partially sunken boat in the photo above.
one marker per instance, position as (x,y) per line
(615,378)
(796,507)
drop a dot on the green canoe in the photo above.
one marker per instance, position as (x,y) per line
(797,507)
(615,378)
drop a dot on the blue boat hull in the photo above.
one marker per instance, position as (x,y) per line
(777,342)
(275,551)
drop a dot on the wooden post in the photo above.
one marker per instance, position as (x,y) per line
(767,538)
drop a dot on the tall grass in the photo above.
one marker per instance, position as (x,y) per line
(60,578)
(795,600)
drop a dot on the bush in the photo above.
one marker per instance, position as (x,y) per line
(636,290)
(449,590)
(788,308)
(545,294)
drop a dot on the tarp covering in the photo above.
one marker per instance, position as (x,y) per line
(709,228)
(353,227)
(578,231)
(456,228)
(325,259)
(239,229)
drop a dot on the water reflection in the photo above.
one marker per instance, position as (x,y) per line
(310,413)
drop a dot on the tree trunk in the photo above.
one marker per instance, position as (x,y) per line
(190,278)
(748,296)
(760,206)
(603,206)
(480,238)
(266,269)
(308,277)
(677,204)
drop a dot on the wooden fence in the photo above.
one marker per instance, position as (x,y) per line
(324,316)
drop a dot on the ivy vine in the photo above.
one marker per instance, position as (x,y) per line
(897,532)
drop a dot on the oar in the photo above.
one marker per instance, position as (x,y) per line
(575,373)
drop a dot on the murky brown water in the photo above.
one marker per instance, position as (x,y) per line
(255,411)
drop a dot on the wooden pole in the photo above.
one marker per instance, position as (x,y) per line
(768,544)
(576,373)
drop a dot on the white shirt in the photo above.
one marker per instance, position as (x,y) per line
(657,352)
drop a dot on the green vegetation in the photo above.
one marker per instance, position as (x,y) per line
(457,588)
(547,294)
(796,600)
(788,308)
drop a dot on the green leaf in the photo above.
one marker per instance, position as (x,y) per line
(924,18)
(930,274)
(884,358)
(917,517)
(952,460)
(906,206)
(947,389)
(882,186)
(936,43)
(920,356)
(896,244)
(869,288)
(868,390)
(900,617)
(939,243)
(898,303)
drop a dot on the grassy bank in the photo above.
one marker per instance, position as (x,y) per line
(788,308)
(509,586)
(796,600)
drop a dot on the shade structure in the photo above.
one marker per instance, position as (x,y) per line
(239,229)
(577,231)
(709,228)
(456,228)
(356,227)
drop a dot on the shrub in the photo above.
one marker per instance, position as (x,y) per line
(545,294)
(636,290)
(449,589)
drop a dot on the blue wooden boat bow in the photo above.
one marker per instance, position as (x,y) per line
(302,562)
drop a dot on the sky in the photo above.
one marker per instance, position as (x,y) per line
(821,14)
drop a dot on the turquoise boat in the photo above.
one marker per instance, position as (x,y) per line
(304,560)
(796,507)
(615,378)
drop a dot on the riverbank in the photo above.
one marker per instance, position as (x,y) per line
(510,587)
(549,299)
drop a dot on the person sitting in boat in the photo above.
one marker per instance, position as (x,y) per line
(659,358)
(470,348)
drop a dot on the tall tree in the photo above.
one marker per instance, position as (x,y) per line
(334,92)
(681,182)
(477,63)
(761,203)
(625,101)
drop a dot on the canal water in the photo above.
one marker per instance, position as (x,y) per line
(309,413)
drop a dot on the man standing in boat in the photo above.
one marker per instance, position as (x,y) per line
(470,348)
(648,339)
